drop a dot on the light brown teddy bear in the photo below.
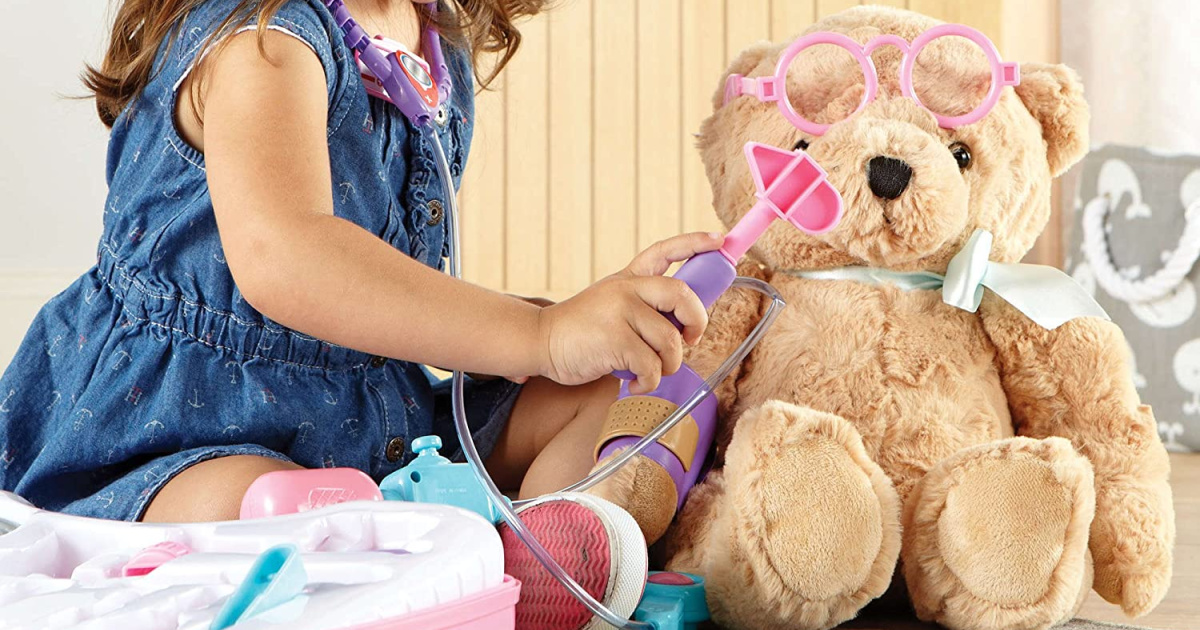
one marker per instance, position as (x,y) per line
(1001,468)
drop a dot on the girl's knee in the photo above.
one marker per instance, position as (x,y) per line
(211,490)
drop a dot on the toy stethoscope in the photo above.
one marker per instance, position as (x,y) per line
(398,76)
(790,186)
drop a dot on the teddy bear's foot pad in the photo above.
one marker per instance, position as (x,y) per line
(809,530)
(996,536)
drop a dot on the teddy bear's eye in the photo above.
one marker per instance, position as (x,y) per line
(801,145)
(962,154)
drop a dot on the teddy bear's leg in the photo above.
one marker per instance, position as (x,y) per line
(799,530)
(995,536)
(643,488)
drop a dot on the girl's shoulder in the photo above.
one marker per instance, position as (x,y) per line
(150,117)
(212,21)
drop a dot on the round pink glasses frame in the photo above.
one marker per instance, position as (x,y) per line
(771,88)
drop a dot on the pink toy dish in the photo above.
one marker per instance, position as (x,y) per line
(771,88)
(293,491)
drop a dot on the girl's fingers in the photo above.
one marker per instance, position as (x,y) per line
(655,260)
(643,361)
(656,331)
(668,295)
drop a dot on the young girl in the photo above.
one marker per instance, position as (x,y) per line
(267,286)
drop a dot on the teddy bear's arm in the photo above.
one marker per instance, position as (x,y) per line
(1075,382)
(729,321)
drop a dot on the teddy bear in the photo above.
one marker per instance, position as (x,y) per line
(994,468)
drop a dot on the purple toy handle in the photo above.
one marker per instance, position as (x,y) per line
(709,275)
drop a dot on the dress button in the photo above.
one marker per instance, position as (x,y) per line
(395,449)
(441,117)
(378,362)
(436,212)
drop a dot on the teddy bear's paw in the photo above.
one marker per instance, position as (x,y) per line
(645,490)
(995,536)
(808,531)
(1131,539)
(1135,594)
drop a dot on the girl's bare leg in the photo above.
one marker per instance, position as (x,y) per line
(211,490)
(550,439)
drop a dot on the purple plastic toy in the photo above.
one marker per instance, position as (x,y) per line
(790,186)
(395,74)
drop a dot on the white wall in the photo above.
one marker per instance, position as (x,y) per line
(51,155)
(1139,66)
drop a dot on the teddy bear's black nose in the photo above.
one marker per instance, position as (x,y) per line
(888,177)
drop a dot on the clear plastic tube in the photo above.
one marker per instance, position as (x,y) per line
(468,443)
(506,509)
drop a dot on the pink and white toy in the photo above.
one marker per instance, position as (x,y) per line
(365,566)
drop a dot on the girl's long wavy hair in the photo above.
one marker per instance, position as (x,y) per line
(141,26)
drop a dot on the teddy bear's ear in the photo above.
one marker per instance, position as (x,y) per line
(745,62)
(1053,93)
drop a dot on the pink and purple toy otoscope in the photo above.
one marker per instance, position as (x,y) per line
(790,186)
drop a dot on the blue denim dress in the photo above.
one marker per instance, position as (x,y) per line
(152,362)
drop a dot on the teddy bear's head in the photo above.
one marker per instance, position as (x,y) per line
(913,192)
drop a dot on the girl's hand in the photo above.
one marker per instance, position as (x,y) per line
(616,324)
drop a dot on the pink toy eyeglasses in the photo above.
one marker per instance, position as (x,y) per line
(772,88)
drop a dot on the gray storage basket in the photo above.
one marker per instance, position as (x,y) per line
(1134,246)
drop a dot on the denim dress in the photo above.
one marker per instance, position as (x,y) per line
(152,361)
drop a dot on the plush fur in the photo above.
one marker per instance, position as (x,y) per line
(997,463)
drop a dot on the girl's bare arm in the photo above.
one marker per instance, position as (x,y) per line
(264,140)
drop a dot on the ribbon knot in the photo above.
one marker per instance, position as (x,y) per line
(1047,296)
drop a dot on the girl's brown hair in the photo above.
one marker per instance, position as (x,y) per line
(141,26)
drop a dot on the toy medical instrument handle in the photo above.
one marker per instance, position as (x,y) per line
(789,185)
(703,391)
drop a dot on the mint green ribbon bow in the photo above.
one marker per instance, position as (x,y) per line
(1044,294)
